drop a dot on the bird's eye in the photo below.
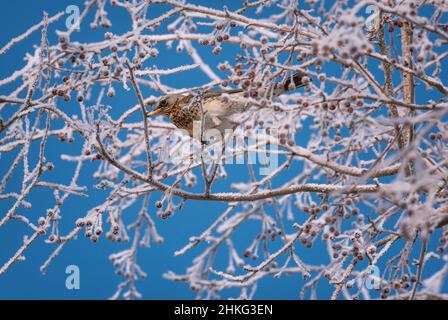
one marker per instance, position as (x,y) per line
(163,103)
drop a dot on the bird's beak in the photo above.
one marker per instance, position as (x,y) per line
(154,112)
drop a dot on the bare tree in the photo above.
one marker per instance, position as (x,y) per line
(367,186)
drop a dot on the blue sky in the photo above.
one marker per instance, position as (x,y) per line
(98,280)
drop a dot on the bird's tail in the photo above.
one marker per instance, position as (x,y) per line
(291,83)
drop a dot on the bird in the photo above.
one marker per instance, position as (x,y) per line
(213,109)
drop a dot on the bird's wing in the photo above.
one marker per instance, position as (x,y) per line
(216,93)
(218,107)
(277,88)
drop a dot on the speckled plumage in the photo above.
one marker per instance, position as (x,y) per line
(183,110)
(182,114)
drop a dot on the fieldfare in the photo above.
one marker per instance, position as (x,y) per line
(214,108)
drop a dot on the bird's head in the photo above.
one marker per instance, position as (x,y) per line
(164,105)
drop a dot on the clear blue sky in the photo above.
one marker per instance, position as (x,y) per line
(98,280)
